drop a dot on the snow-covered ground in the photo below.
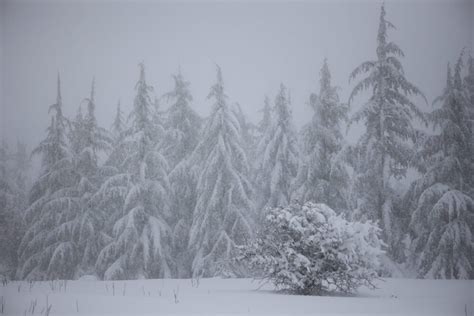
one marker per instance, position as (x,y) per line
(232,296)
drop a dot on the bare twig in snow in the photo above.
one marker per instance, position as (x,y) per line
(175,294)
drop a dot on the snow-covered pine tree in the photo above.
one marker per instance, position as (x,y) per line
(6,190)
(21,168)
(157,122)
(9,213)
(96,138)
(278,158)
(442,223)
(76,132)
(249,132)
(118,153)
(141,236)
(264,131)
(14,167)
(182,127)
(182,124)
(469,83)
(63,236)
(110,197)
(118,126)
(266,121)
(223,216)
(90,140)
(322,175)
(16,179)
(54,148)
(384,151)
(47,250)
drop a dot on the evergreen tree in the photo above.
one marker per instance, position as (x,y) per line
(442,223)
(264,130)
(322,176)
(96,138)
(47,250)
(223,216)
(19,180)
(14,168)
(4,168)
(249,132)
(157,122)
(141,237)
(6,190)
(54,148)
(77,131)
(118,152)
(110,197)
(118,126)
(21,167)
(182,135)
(9,213)
(278,161)
(87,238)
(384,151)
(266,121)
(63,235)
(469,83)
(182,124)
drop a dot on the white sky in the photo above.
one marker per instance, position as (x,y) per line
(258,45)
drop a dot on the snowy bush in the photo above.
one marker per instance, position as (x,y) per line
(309,249)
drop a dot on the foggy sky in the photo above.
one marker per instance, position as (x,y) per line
(257,46)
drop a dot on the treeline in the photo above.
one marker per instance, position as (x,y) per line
(176,194)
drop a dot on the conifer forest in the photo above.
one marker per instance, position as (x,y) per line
(376,181)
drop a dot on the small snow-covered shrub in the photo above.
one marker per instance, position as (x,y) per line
(309,249)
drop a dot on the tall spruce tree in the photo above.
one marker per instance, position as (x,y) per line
(17,179)
(223,216)
(10,213)
(118,129)
(322,175)
(182,123)
(88,139)
(264,130)
(118,126)
(266,121)
(442,223)
(183,126)
(76,132)
(87,230)
(64,233)
(141,237)
(278,161)
(248,130)
(6,190)
(469,84)
(384,151)
(110,196)
(6,186)
(21,168)
(157,123)
(47,249)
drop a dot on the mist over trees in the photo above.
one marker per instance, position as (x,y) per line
(166,193)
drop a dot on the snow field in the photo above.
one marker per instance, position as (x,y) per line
(232,297)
